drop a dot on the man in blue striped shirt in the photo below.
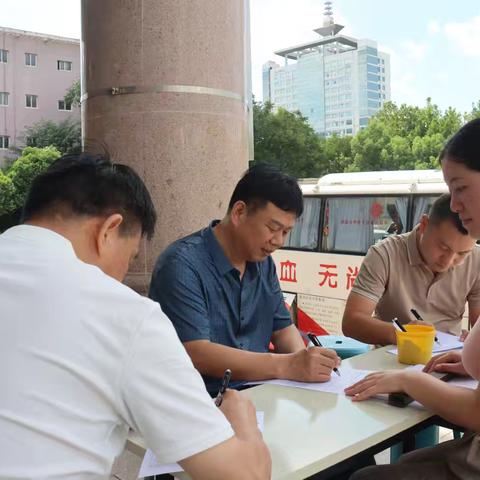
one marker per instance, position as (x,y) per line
(220,289)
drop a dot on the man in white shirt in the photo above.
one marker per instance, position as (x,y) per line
(83,358)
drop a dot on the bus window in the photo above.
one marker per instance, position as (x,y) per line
(305,232)
(353,224)
(421,205)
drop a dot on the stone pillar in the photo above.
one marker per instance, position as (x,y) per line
(166,87)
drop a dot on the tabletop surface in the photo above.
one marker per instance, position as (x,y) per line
(308,431)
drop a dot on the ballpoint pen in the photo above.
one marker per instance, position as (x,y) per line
(223,387)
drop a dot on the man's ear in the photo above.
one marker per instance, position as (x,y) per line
(424,221)
(108,230)
(238,213)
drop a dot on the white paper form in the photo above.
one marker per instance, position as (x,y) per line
(151,467)
(336,384)
(446,342)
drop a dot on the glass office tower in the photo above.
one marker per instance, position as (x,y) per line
(337,82)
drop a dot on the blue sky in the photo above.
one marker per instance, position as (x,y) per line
(434,44)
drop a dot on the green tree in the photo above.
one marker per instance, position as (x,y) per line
(65,136)
(396,138)
(285,139)
(7,194)
(337,153)
(403,137)
(73,94)
(474,113)
(25,168)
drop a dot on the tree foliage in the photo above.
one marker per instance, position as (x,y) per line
(73,94)
(7,194)
(65,136)
(22,172)
(397,138)
(285,139)
(474,113)
(403,138)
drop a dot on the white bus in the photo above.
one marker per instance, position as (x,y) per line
(345,213)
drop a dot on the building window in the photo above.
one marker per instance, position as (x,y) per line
(3,56)
(4,98)
(64,65)
(63,105)
(31,101)
(31,59)
(4,141)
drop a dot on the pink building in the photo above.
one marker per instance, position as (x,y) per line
(36,70)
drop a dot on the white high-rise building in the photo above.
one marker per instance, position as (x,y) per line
(337,82)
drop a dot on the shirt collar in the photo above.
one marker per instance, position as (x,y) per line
(216,251)
(221,261)
(42,237)
(414,256)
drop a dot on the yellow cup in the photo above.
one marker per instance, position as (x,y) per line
(416,344)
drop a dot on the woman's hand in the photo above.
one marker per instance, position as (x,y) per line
(448,362)
(389,381)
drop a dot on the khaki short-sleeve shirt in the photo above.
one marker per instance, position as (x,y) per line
(394,275)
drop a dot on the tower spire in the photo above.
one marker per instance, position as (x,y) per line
(329,28)
(327,14)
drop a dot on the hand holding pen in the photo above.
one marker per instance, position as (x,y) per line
(313,338)
(223,387)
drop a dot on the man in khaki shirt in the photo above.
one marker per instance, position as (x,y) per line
(434,269)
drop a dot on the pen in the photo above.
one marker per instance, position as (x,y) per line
(420,319)
(313,338)
(398,325)
(225,381)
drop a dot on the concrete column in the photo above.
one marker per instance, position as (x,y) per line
(165,90)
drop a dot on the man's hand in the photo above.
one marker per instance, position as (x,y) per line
(314,364)
(389,381)
(463,335)
(448,362)
(240,412)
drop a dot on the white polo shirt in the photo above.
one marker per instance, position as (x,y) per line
(83,359)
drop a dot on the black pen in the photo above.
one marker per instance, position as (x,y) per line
(225,381)
(420,319)
(313,338)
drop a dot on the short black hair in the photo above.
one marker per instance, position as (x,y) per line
(464,146)
(92,185)
(264,183)
(440,212)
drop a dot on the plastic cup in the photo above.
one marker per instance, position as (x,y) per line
(416,344)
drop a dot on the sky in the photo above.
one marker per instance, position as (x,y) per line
(434,45)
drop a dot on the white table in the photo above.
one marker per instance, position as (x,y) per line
(308,431)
